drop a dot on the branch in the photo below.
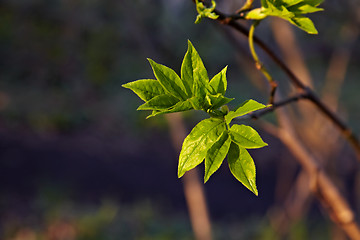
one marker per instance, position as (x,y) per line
(347,133)
(262,112)
(322,186)
(193,189)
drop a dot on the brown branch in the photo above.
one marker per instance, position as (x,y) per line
(259,113)
(322,186)
(193,189)
(262,112)
(342,126)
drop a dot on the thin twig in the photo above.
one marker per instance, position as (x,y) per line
(323,187)
(259,113)
(338,122)
(259,65)
(193,189)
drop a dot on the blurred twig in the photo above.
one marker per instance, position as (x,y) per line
(321,185)
(193,189)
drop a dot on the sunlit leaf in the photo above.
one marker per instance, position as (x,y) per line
(245,108)
(256,14)
(169,80)
(216,101)
(305,24)
(204,12)
(242,167)
(246,137)
(194,74)
(146,89)
(198,142)
(290,10)
(216,154)
(218,83)
(178,107)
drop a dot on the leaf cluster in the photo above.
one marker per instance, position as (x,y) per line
(170,93)
(211,139)
(290,10)
(205,12)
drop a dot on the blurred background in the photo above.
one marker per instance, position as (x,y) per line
(77,161)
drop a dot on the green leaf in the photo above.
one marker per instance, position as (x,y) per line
(169,80)
(246,137)
(289,3)
(277,9)
(197,103)
(256,14)
(219,83)
(146,89)
(289,10)
(242,167)
(304,9)
(245,108)
(178,107)
(216,154)
(198,142)
(194,74)
(204,12)
(160,102)
(216,101)
(305,24)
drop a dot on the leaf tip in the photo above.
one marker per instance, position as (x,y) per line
(150,61)
(190,45)
(181,172)
(206,177)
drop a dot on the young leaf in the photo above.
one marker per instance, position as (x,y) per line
(305,24)
(246,137)
(169,80)
(204,11)
(216,154)
(256,14)
(303,8)
(178,107)
(146,89)
(245,108)
(289,10)
(287,3)
(198,142)
(193,73)
(160,102)
(242,167)
(216,101)
(219,83)
(197,102)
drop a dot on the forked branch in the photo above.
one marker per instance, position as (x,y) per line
(345,130)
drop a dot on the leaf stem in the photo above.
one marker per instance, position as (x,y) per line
(259,65)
